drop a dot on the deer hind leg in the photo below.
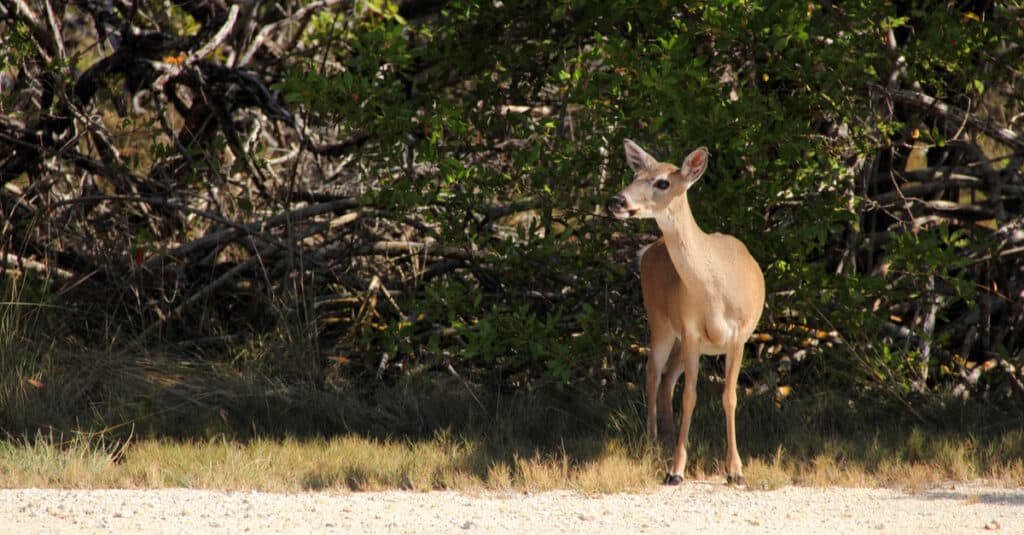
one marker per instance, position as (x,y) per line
(734,465)
(661,347)
(690,355)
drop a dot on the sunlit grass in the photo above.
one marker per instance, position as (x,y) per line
(353,462)
(136,418)
(45,462)
(422,438)
(290,465)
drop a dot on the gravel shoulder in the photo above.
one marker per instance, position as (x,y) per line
(694,507)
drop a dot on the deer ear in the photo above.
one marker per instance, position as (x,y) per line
(695,165)
(636,157)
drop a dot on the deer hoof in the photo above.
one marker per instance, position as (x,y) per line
(736,480)
(673,479)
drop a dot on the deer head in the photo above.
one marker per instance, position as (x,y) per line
(655,185)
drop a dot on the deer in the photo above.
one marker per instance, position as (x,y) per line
(703,295)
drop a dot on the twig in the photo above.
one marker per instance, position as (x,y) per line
(382,365)
(451,370)
(118,454)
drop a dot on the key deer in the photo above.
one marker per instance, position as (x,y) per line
(703,294)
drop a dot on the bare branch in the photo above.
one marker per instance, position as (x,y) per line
(44,40)
(170,71)
(936,107)
(57,36)
(408,247)
(955,209)
(932,181)
(231,234)
(20,262)
(265,32)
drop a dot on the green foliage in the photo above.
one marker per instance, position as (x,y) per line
(766,85)
(478,143)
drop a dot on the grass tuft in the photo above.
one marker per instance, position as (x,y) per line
(768,474)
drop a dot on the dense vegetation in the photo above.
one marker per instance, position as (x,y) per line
(214,208)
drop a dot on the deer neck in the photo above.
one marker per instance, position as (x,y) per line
(686,242)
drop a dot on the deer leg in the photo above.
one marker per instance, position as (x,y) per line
(732,371)
(690,357)
(666,419)
(661,347)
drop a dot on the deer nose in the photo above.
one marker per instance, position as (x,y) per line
(616,204)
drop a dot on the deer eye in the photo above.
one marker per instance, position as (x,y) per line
(662,183)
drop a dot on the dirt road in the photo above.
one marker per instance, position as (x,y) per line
(694,507)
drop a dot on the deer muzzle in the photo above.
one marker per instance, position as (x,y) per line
(618,207)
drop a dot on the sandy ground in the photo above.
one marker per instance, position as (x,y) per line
(694,507)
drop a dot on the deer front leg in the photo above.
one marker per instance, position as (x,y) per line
(653,378)
(666,419)
(732,371)
(690,358)
(661,347)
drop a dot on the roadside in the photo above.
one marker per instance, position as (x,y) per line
(694,507)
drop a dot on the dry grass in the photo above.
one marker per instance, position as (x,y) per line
(359,463)
(47,463)
(165,421)
(522,449)
(290,465)
(768,474)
